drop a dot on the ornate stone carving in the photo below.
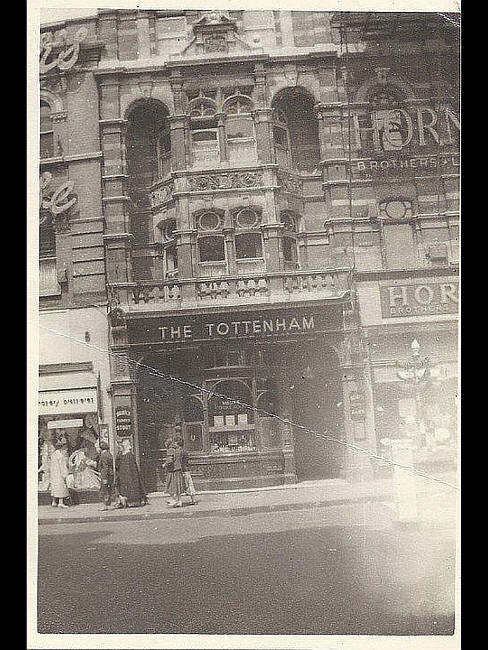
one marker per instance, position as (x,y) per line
(215,43)
(161,194)
(225,181)
(290,183)
(67,54)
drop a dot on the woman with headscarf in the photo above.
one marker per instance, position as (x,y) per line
(128,480)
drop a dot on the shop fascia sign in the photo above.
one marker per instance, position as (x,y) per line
(428,298)
(233,326)
(76,400)
(394,129)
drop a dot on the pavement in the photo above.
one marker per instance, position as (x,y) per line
(307,494)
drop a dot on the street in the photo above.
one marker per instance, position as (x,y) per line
(343,569)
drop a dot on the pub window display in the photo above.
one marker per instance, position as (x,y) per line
(231,418)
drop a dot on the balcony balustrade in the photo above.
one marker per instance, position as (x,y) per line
(232,290)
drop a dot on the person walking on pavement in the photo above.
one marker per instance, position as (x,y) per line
(59,474)
(185,463)
(175,484)
(106,470)
(128,480)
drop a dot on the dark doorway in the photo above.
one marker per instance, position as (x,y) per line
(316,404)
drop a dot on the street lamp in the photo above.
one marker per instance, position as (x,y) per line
(413,372)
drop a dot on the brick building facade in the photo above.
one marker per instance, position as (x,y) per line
(270,200)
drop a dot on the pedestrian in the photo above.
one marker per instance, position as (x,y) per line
(128,480)
(59,474)
(106,470)
(168,443)
(185,468)
(175,484)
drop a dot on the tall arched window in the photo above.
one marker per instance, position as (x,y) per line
(239,129)
(295,131)
(148,145)
(46,131)
(204,132)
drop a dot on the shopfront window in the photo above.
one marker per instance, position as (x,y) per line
(80,434)
(231,418)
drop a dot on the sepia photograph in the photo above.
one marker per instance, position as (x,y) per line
(244,352)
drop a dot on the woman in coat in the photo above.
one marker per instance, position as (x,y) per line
(59,474)
(128,479)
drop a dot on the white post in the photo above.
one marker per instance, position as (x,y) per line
(404,480)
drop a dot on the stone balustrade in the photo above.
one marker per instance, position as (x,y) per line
(171,294)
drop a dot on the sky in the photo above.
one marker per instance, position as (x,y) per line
(52,15)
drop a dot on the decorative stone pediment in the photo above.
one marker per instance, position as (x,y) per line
(215,34)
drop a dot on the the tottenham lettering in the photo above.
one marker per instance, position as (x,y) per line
(224,328)
(266,324)
(419,299)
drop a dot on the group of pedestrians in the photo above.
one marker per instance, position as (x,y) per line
(122,477)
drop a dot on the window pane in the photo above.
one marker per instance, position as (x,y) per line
(204,136)
(248,246)
(239,128)
(289,249)
(211,249)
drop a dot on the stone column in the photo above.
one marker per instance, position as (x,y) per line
(180,134)
(222,137)
(264,135)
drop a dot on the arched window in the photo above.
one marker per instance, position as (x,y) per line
(46,131)
(248,238)
(148,146)
(289,240)
(239,128)
(295,130)
(204,131)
